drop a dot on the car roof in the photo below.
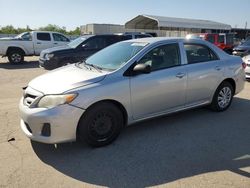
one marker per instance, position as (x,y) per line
(155,40)
(167,39)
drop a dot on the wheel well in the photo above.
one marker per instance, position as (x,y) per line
(231,81)
(15,49)
(116,103)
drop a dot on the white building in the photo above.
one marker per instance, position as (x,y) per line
(163,26)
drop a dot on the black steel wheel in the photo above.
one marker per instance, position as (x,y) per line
(100,125)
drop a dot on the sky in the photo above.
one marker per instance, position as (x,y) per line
(74,13)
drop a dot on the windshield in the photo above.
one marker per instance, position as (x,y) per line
(246,43)
(77,42)
(116,55)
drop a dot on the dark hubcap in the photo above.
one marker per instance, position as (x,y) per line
(102,126)
(16,57)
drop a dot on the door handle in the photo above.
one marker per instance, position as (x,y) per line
(39,43)
(55,43)
(180,75)
(218,68)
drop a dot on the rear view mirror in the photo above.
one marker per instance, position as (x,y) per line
(142,68)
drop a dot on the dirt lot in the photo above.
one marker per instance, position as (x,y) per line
(196,148)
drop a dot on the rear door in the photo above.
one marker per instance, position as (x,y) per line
(91,46)
(204,73)
(42,42)
(59,39)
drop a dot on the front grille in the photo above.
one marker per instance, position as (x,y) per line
(29,99)
(30,96)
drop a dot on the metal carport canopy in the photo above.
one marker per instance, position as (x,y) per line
(155,22)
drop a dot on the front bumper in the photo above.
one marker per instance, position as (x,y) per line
(47,64)
(63,121)
(240,53)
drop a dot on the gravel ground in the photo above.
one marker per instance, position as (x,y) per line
(196,148)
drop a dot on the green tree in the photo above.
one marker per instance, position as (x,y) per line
(9,29)
(55,28)
(77,31)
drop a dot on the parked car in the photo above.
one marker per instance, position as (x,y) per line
(77,50)
(243,49)
(246,60)
(125,83)
(138,35)
(30,43)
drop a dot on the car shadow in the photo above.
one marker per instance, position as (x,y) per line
(23,65)
(160,150)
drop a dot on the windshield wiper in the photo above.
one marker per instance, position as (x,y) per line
(89,66)
(99,69)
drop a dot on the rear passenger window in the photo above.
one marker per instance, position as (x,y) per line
(210,38)
(43,36)
(141,36)
(60,38)
(115,39)
(221,39)
(96,43)
(199,53)
(162,57)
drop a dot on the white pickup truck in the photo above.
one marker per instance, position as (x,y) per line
(30,43)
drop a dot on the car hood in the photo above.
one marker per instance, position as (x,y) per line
(242,47)
(66,78)
(56,49)
(246,59)
(8,38)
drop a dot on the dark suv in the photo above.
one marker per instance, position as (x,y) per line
(242,49)
(77,50)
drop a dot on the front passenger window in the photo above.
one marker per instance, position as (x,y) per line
(162,57)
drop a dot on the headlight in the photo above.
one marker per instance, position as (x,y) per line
(49,56)
(50,101)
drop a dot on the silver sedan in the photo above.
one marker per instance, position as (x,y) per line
(125,83)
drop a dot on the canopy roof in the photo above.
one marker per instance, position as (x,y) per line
(155,22)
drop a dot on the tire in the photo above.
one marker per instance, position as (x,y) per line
(100,125)
(223,97)
(15,56)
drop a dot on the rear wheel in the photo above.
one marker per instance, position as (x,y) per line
(223,97)
(100,125)
(15,56)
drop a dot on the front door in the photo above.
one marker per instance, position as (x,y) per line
(164,88)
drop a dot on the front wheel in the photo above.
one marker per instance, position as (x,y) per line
(100,125)
(15,56)
(223,97)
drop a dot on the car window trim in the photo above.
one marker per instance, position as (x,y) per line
(199,44)
(44,33)
(128,71)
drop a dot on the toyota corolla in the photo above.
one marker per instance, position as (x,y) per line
(125,83)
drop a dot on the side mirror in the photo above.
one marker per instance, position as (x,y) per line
(142,69)
(84,46)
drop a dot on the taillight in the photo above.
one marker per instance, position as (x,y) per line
(244,65)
